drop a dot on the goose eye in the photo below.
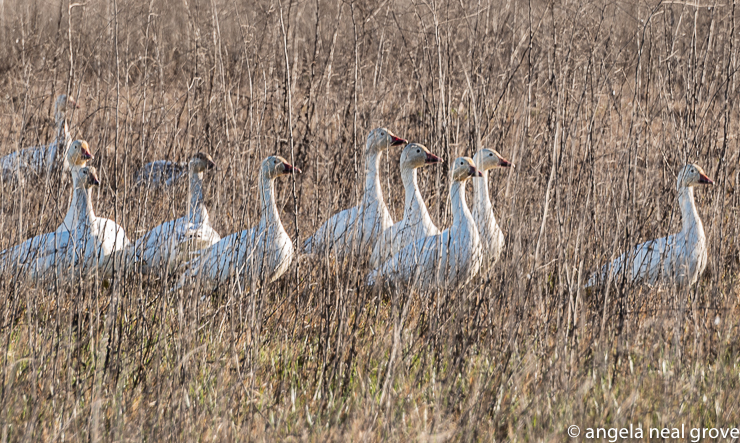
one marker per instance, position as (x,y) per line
(418,151)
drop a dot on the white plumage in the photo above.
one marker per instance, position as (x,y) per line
(83,250)
(256,256)
(39,160)
(354,231)
(169,244)
(491,237)
(447,260)
(678,259)
(416,223)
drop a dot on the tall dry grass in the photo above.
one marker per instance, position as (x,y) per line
(598,104)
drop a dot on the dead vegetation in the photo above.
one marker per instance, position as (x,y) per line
(599,104)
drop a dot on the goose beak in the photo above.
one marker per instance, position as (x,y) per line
(703,179)
(211,165)
(505,163)
(431,158)
(395,141)
(72,102)
(86,154)
(94,179)
(290,168)
(474,172)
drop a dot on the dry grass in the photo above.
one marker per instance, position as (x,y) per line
(598,104)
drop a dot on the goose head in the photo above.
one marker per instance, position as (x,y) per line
(60,107)
(202,162)
(692,175)
(416,155)
(490,159)
(87,177)
(380,139)
(79,153)
(464,168)
(276,166)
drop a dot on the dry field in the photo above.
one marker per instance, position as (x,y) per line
(597,103)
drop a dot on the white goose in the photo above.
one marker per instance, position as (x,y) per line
(170,243)
(77,157)
(678,259)
(40,159)
(63,254)
(355,230)
(255,256)
(416,223)
(447,260)
(491,237)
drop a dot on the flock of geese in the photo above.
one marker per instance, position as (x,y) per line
(412,252)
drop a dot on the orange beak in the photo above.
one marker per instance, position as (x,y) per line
(703,179)
(86,155)
(94,179)
(474,172)
(72,101)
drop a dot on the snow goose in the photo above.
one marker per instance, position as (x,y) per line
(170,243)
(111,239)
(491,237)
(416,223)
(356,229)
(77,157)
(678,259)
(447,260)
(261,254)
(58,253)
(41,159)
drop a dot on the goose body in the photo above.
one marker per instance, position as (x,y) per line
(160,173)
(354,231)
(255,256)
(491,237)
(446,260)
(169,244)
(416,223)
(677,259)
(39,160)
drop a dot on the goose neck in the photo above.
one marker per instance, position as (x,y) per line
(410,186)
(82,203)
(481,198)
(460,211)
(372,178)
(268,207)
(196,208)
(689,214)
